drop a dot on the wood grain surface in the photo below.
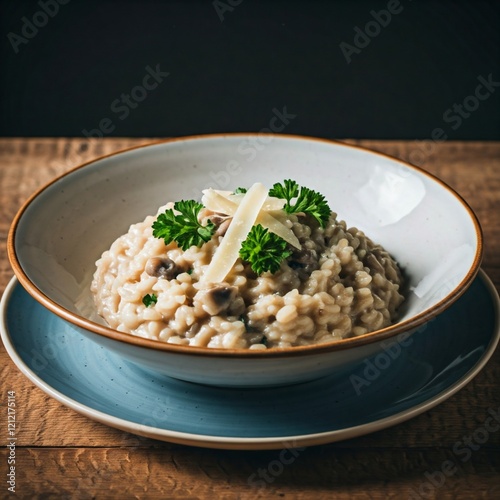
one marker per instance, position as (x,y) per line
(63,455)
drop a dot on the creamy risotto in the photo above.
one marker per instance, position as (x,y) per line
(253,269)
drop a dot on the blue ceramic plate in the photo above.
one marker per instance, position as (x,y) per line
(396,385)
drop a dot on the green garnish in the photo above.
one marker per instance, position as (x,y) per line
(184,227)
(244,320)
(149,300)
(263,250)
(307,201)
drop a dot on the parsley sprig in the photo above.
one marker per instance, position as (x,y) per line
(184,227)
(306,200)
(263,250)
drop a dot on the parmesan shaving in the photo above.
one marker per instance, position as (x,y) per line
(216,201)
(277,227)
(243,219)
(271,202)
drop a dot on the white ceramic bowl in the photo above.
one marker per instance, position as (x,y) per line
(63,229)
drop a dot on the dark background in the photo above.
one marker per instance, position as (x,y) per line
(229,67)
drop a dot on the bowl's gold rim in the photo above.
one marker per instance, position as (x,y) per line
(376,336)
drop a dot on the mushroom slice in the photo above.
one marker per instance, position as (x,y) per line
(164,268)
(217,298)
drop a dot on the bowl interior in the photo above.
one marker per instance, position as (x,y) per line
(64,229)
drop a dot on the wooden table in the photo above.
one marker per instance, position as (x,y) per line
(61,454)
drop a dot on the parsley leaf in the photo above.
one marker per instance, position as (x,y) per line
(307,201)
(240,190)
(183,228)
(263,250)
(286,191)
(149,300)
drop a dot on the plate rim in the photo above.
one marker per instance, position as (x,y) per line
(248,443)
